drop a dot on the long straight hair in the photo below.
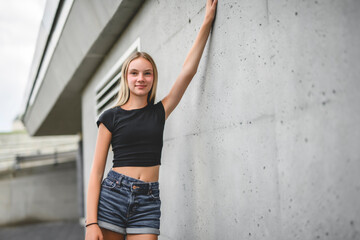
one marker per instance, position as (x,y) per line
(124,91)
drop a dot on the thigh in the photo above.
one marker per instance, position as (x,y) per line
(110,235)
(141,237)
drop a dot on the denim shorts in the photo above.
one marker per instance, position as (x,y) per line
(128,205)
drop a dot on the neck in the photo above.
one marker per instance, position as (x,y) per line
(135,102)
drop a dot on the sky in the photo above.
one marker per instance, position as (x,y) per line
(19,27)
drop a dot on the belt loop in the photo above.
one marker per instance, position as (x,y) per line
(149,189)
(120,179)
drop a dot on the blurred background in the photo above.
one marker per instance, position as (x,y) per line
(263,145)
(37,174)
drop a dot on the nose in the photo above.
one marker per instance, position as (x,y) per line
(140,77)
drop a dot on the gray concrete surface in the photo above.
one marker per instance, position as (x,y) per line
(264,144)
(61,230)
(46,193)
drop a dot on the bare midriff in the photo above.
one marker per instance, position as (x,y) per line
(146,174)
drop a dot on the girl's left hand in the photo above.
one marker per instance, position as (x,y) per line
(210,10)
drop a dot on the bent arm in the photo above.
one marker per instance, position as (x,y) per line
(97,172)
(191,63)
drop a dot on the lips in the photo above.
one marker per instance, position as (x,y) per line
(140,86)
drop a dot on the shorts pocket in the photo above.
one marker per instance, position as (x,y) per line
(108,183)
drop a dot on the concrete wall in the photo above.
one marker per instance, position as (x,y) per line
(39,194)
(264,144)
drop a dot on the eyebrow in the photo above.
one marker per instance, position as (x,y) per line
(134,69)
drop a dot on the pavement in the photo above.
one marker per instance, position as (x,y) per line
(64,230)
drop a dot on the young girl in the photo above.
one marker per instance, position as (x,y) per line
(127,202)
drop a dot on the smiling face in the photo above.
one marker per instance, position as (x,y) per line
(140,77)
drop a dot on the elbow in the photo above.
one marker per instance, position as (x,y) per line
(189,72)
(190,75)
(193,73)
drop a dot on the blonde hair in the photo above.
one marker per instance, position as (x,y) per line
(124,91)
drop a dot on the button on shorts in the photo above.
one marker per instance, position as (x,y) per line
(128,205)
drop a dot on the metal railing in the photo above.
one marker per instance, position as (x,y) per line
(44,159)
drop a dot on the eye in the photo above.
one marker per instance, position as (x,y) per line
(133,73)
(148,73)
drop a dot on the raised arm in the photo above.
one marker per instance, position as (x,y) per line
(192,60)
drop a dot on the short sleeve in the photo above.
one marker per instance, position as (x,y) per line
(107,118)
(160,110)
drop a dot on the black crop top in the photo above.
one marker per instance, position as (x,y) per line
(137,135)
